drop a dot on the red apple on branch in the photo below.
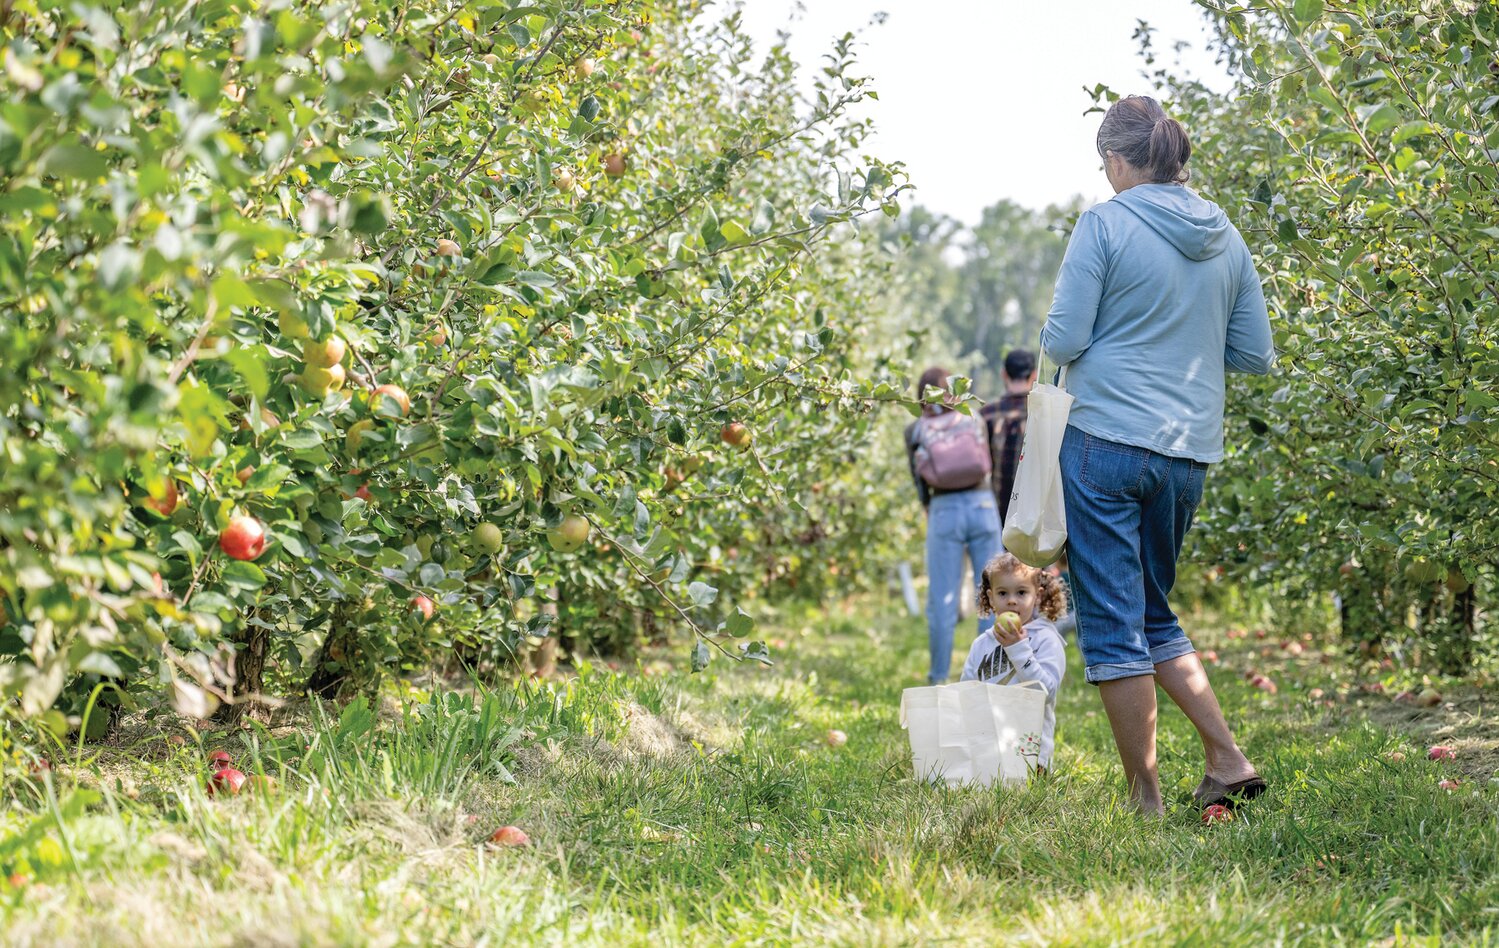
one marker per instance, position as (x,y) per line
(328,352)
(395,393)
(166,504)
(243,539)
(319,381)
(736,435)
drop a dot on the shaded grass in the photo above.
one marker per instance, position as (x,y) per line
(711,810)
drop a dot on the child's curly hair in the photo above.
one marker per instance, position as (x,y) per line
(1051,592)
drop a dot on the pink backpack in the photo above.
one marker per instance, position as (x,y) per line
(952,451)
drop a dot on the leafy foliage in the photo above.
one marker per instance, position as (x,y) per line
(379,275)
(1360,157)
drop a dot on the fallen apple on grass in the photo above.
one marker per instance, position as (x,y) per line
(1449,784)
(1441,752)
(225,780)
(1397,756)
(509,836)
(836,738)
(1429,698)
(1217,813)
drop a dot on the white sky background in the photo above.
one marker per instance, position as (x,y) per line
(983,99)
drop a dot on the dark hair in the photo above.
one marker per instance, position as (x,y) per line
(1138,130)
(934,377)
(1019,364)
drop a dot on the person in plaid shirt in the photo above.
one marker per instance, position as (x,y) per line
(1005,420)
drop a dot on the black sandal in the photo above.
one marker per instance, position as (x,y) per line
(1213,792)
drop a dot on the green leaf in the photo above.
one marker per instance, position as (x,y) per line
(702,654)
(707,225)
(250,363)
(535,278)
(74,161)
(755,652)
(739,624)
(1307,11)
(241,574)
(764,219)
(100,663)
(229,290)
(701,594)
(734,232)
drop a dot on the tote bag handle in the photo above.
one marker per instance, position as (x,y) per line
(1061,373)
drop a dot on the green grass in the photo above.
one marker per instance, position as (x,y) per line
(710,810)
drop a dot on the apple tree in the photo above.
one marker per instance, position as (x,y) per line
(343,338)
(1358,157)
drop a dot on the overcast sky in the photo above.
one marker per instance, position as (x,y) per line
(983,99)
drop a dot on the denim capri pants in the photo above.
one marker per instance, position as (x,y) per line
(1128,510)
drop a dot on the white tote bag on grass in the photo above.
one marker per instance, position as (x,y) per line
(1036,520)
(974,732)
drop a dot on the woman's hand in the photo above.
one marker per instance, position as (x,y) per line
(1007,629)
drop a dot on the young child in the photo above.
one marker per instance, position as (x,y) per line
(1024,644)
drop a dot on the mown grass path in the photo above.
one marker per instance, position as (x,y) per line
(668,809)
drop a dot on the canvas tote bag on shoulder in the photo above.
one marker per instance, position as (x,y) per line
(1036,520)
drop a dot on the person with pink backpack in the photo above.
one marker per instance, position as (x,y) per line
(949,456)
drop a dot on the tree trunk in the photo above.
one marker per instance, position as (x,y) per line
(252,642)
(330,672)
(540,659)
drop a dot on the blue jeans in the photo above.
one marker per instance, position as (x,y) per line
(956,522)
(1128,510)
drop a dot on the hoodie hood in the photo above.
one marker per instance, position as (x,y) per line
(1197,228)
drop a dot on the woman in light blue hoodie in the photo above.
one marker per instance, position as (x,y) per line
(1156,301)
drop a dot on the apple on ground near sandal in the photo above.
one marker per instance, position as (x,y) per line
(1217,813)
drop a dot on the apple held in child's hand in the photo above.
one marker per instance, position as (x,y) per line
(1008,628)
